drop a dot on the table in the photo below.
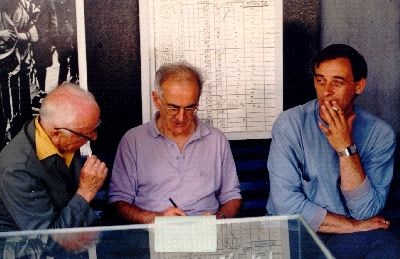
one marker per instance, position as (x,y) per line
(258,237)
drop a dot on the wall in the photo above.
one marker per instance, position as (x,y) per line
(113,61)
(373,28)
(113,53)
(113,57)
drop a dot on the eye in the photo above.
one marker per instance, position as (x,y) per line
(320,81)
(338,83)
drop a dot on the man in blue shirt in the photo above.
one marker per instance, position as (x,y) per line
(332,162)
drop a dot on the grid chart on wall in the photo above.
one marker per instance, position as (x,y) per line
(237,45)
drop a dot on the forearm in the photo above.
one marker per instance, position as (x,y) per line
(338,224)
(133,214)
(334,223)
(31,35)
(231,208)
(352,173)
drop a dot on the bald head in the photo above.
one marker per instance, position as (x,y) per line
(68,105)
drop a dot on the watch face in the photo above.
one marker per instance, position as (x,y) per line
(352,149)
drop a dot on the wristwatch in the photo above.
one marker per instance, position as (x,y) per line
(348,151)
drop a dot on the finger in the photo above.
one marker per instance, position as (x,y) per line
(99,167)
(103,169)
(339,113)
(323,128)
(333,111)
(90,160)
(327,116)
(181,213)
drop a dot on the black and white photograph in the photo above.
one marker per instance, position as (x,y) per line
(38,51)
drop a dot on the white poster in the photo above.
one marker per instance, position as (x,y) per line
(238,47)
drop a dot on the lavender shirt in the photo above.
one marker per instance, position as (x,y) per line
(149,169)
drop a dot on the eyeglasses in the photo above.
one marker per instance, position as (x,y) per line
(175,110)
(80,134)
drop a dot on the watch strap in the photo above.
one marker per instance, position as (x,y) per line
(348,151)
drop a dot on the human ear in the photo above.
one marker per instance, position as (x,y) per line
(360,86)
(156,99)
(55,136)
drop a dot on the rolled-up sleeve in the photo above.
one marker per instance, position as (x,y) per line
(368,199)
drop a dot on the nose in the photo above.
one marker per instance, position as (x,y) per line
(181,115)
(328,89)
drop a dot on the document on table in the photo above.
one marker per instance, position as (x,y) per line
(236,238)
(186,234)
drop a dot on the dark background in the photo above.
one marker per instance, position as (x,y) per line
(113,63)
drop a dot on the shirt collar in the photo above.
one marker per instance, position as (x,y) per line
(45,148)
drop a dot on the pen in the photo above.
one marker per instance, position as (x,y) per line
(173,203)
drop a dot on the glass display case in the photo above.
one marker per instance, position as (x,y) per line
(173,237)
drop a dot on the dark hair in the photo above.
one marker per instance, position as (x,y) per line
(357,61)
(173,69)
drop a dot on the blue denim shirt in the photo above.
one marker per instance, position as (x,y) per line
(304,168)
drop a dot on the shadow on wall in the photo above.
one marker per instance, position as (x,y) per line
(299,46)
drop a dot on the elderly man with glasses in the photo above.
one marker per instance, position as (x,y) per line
(174,164)
(44,182)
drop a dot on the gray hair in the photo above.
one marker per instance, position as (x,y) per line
(168,70)
(63,103)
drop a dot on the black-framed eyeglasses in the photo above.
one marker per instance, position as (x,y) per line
(80,134)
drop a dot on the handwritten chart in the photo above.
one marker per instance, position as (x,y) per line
(238,47)
(241,238)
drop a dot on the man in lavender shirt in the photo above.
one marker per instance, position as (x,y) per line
(174,164)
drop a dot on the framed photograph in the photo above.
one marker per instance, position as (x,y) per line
(41,46)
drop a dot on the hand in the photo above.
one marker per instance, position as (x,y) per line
(92,177)
(7,35)
(173,211)
(76,242)
(376,222)
(206,213)
(339,128)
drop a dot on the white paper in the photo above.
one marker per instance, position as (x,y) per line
(186,234)
(86,150)
(238,47)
